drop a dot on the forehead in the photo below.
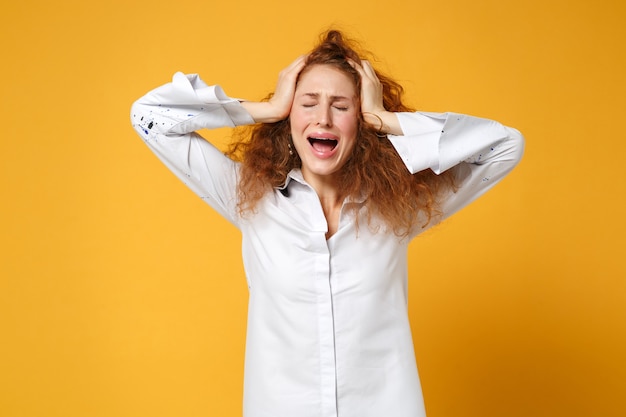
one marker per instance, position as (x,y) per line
(326,79)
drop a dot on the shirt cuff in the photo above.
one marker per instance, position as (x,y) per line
(419,146)
(194,86)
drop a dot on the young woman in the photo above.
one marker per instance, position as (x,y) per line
(330,183)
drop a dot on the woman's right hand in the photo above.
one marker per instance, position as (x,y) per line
(279,105)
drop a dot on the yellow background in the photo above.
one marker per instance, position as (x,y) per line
(122,294)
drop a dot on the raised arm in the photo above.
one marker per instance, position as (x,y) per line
(483,150)
(166,119)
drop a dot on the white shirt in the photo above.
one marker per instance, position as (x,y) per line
(328,331)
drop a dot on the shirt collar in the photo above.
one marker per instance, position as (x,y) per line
(296,175)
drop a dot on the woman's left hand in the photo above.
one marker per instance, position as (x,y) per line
(374,112)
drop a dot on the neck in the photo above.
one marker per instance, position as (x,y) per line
(331,206)
(326,189)
(331,200)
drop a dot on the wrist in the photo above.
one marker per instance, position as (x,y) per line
(391,123)
(385,122)
(262,111)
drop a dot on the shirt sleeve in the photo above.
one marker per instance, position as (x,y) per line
(167,119)
(482,150)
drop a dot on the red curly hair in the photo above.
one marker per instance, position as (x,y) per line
(374,171)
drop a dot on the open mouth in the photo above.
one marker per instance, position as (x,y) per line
(322,145)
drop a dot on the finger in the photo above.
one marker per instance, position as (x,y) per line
(288,76)
(358,67)
(370,71)
(367,67)
(282,99)
(368,75)
(296,66)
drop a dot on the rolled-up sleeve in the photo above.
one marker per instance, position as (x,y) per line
(483,150)
(167,119)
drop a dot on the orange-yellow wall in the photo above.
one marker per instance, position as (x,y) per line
(122,294)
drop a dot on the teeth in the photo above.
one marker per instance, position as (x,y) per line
(322,139)
(317,142)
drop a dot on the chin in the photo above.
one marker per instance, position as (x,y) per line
(321,170)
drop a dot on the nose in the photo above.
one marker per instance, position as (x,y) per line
(324,116)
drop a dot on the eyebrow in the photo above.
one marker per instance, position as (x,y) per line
(332,98)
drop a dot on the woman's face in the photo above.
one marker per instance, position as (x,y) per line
(324,120)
